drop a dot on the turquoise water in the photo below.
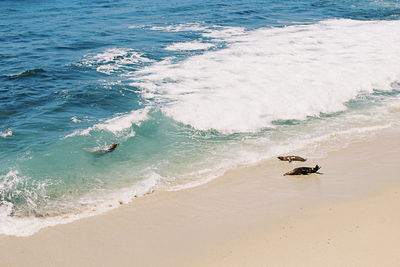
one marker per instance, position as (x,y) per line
(188,89)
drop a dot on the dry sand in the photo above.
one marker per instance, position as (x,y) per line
(253,216)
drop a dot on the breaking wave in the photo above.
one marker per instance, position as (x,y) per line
(274,74)
(117,124)
(114,60)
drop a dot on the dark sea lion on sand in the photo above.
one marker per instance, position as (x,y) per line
(303,170)
(291,158)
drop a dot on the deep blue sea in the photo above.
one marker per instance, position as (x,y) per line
(189,89)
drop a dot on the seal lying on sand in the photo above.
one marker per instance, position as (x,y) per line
(303,170)
(291,158)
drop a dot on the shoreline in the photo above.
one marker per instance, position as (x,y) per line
(235,218)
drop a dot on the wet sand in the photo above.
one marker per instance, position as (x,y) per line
(253,216)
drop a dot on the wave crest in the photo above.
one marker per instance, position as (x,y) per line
(117,124)
(6,133)
(114,60)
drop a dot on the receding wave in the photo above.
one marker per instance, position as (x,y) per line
(26,205)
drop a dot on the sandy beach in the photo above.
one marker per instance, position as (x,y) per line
(251,216)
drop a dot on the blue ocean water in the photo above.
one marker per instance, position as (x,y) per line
(188,89)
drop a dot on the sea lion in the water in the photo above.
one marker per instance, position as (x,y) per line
(291,158)
(112,147)
(102,151)
(303,170)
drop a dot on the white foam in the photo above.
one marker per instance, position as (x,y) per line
(180,27)
(9,180)
(113,59)
(189,46)
(136,26)
(394,108)
(6,133)
(75,119)
(214,32)
(95,203)
(117,124)
(122,122)
(223,33)
(276,74)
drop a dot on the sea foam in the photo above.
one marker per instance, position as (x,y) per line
(180,27)
(114,59)
(89,205)
(6,133)
(189,46)
(117,124)
(274,74)
(213,32)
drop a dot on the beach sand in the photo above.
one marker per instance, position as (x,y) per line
(252,216)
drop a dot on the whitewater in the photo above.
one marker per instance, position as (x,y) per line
(277,74)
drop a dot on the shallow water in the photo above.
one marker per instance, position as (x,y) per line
(188,90)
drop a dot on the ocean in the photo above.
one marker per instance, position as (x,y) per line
(189,89)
